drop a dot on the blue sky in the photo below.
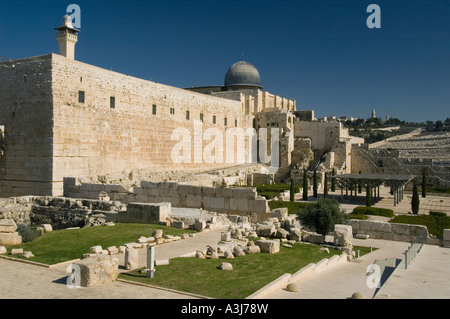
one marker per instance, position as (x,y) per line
(318,52)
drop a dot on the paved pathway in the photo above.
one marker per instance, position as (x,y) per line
(427,277)
(341,281)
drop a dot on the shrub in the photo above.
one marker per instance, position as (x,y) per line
(376,211)
(28,233)
(439,214)
(322,215)
(305,185)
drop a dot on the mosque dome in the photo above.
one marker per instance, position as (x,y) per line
(242,75)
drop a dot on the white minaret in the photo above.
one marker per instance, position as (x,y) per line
(67,38)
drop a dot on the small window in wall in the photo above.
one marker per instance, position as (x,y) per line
(81,79)
(25,78)
(214,119)
(188,115)
(201,117)
(80,96)
(112,102)
(172,110)
(154,109)
(235,123)
(225,121)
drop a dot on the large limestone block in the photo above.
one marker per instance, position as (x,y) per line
(7,226)
(400,229)
(268,246)
(343,235)
(131,258)
(280,213)
(252,250)
(97,270)
(295,235)
(10,239)
(265,230)
(238,251)
(199,225)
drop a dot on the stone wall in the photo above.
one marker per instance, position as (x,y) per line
(50,133)
(387,231)
(26,119)
(91,138)
(240,201)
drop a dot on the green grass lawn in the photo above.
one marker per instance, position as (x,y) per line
(63,245)
(293,207)
(249,274)
(435,224)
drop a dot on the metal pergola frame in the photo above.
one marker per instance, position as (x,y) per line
(372,183)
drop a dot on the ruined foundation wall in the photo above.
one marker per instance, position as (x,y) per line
(240,201)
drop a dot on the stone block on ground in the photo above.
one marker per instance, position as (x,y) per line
(131,259)
(10,239)
(96,250)
(238,251)
(2,250)
(7,226)
(226,266)
(199,225)
(280,213)
(98,270)
(343,235)
(265,230)
(158,233)
(295,235)
(269,246)
(254,249)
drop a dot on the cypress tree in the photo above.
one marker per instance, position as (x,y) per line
(424,184)
(415,201)
(292,191)
(305,185)
(333,181)
(325,186)
(315,183)
(368,196)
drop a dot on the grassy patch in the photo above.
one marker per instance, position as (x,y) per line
(358,216)
(435,223)
(293,207)
(376,211)
(250,272)
(363,250)
(272,191)
(63,245)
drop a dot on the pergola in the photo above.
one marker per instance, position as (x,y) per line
(372,183)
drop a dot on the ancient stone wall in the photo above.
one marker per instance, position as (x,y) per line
(26,119)
(388,231)
(240,201)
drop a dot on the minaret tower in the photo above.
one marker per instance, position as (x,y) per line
(67,38)
(374,116)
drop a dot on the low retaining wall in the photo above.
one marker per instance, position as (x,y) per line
(240,201)
(306,271)
(387,231)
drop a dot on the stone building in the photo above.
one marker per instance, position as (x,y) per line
(60,117)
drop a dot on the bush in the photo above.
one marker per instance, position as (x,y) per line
(439,214)
(322,215)
(376,211)
(28,233)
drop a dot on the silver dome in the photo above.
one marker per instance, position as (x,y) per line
(242,74)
